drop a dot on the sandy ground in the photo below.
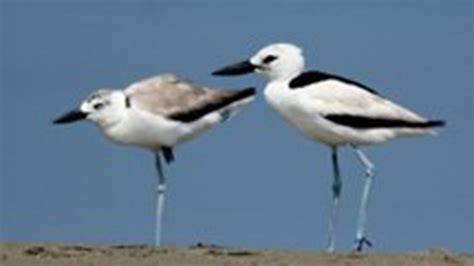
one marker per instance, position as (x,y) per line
(15,254)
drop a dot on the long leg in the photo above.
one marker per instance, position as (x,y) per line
(361,238)
(336,196)
(160,199)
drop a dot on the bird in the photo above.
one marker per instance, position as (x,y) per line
(157,114)
(333,110)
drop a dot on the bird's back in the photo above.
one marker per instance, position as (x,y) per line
(177,99)
(336,112)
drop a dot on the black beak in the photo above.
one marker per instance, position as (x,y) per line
(70,117)
(241,68)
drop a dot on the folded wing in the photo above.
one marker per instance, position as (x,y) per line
(177,99)
(335,98)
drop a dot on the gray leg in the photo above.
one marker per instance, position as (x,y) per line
(361,238)
(336,195)
(160,199)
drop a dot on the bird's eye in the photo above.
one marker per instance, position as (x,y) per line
(98,106)
(269,59)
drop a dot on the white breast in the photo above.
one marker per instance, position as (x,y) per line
(291,105)
(140,128)
(304,108)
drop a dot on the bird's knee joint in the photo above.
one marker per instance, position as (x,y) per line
(370,172)
(337,189)
(160,189)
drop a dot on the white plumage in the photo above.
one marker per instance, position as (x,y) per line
(305,108)
(333,110)
(157,114)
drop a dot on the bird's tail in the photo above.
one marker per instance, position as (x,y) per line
(235,100)
(431,126)
(434,123)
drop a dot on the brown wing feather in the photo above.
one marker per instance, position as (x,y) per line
(169,96)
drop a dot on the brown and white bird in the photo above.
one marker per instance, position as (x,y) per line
(158,114)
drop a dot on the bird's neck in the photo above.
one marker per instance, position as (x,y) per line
(284,76)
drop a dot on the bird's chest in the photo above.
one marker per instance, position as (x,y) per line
(290,105)
(295,107)
(140,130)
(283,100)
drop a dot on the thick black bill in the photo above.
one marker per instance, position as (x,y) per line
(241,68)
(71,116)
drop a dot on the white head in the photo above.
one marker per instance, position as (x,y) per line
(103,107)
(275,61)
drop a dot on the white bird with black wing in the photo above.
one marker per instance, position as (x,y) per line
(333,110)
(157,114)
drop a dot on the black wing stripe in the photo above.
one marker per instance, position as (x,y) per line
(363,122)
(200,111)
(310,77)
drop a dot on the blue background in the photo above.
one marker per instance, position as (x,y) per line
(253,182)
